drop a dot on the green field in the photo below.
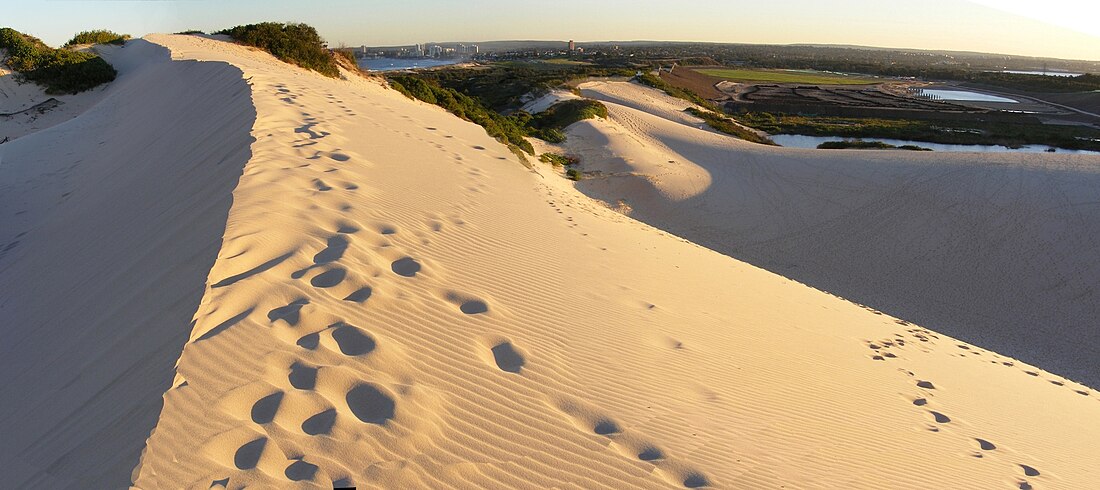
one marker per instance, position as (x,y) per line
(786,76)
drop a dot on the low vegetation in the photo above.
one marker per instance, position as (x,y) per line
(506,129)
(786,76)
(60,71)
(574,174)
(549,125)
(298,44)
(858,144)
(1012,135)
(509,129)
(558,160)
(728,126)
(680,93)
(504,86)
(98,37)
(191,32)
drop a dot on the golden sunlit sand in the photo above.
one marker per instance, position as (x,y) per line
(371,292)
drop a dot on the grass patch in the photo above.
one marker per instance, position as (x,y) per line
(728,126)
(574,174)
(60,71)
(298,44)
(858,144)
(98,37)
(191,32)
(785,76)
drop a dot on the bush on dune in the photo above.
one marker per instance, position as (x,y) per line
(58,70)
(549,125)
(505,129)
(98,37)
(298,44)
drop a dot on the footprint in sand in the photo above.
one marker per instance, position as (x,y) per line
(351,340)
(695,480)
(508,358)
(300,471)
(467,304)
(650,453)
(405,267)
(371,404)
(302,377)
(473,307)
(606,427)
(329,278)
(360,296)
(264,410)
(337,245)
(310,341)
(290,313)
(248,455)
(1029,471)
(985,445)
(321,185)
(340,157)
(940,418)
(320,424)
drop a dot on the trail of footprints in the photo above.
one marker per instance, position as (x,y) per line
(882,351)
(309,396)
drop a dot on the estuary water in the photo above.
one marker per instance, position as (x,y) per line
(390,64)
(802,141)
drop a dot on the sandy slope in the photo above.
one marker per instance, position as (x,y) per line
(396,302)
(996,249)
(109,224)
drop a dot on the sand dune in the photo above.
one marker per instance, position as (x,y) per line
(996,249)
(109,224)
(397,302)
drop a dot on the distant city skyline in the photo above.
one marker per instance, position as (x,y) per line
(1056,29)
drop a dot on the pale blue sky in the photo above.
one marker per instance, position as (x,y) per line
(1060,29)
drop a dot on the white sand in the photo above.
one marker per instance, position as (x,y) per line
(397,302)
(997,249)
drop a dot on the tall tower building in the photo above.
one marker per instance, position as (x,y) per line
(572,45)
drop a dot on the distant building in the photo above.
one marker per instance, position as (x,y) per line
(572,45)
(474,49)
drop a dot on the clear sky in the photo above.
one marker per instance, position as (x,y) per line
(1054,28)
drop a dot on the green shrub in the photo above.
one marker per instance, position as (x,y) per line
(574,174)
(504,128)
(728,126)
(558,160)
(98,37)
(58,70)
(548,125)
(298,44)
(191,32)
